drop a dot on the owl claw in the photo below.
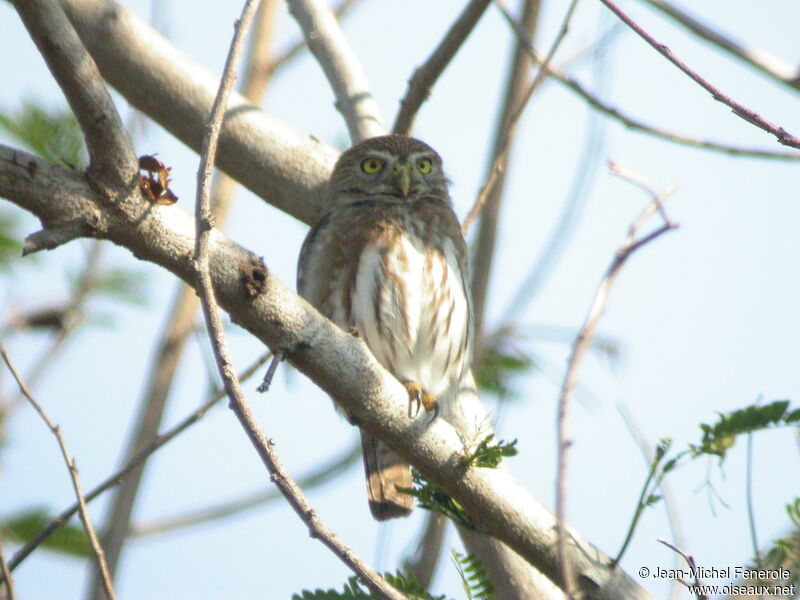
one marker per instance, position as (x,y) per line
(418,397)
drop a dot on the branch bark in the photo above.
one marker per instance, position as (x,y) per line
(340,364)
(288,169)
(421,83)
(112,162)
(342,69)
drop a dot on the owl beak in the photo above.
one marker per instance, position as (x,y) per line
(402,177)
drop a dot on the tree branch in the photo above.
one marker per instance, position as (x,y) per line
(783,136)
(773,67)
(341,365)
(424,77)
(4,570)
(133,462)
(492,190)
(634,124)
(238,403)
(579,348)
(277,163)
(342,69)
(112,161)
(73,474)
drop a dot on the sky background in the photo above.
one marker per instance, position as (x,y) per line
(706,317)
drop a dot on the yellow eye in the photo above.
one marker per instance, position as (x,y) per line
(371,165)
(424,166)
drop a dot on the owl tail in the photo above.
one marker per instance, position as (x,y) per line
(385,471)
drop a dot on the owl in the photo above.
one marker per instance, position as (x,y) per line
(388,263)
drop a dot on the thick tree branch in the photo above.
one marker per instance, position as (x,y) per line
(73,475)
(772,66)
(424,77)
(783,136)
(339,363)
(112,162)
(288,169)
(342,69)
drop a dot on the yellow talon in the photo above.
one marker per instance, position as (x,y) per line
(419,397)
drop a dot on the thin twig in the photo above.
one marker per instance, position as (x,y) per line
(316,477)
(783,136)
(169,348)
(751,518)
(294,49)
(773,67)
(9,581)
(238,403)
(133,462)
(421,83)
(492,191)
(73,473)
(673,517)
(345,74)
(273,366)
(579,349)
(634,124)
(692,568)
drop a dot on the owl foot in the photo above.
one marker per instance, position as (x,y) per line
(417,397)
(353,331)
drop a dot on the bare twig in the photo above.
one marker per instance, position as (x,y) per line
(238,403)
(492,191)
(273,366)
(751,518)
(635,124)
(692,568)
(294,49)
(673,517)
(783,136)
(111,157)
(579,349)
(181,320)
(342,69)
(424,560)
(133,462)
(9,581)
(773,67)
(316,477)
(73,473)
(424,77)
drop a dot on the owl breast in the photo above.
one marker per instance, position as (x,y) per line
(409,304)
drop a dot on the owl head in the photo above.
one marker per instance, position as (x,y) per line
(389,167)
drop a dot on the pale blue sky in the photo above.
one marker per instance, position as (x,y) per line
(707,316)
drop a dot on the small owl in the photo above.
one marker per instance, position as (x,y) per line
(387,261)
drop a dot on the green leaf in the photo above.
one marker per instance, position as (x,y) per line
(355,590)
(432,498)
(473,576)
(719,438)
(68,539)
(120,284)
(51,133)
(500,363)
(488,456)
(10,246)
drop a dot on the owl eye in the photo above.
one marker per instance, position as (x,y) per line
(424,166)
(371,165)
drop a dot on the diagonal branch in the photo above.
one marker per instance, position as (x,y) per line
(773,67)
(783,136)
(277,163)
(421,82)
(341,365)
(112,161)
(73,474)
(579,348)
(133,462)
(205,288)
(632,123)
(330,47)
